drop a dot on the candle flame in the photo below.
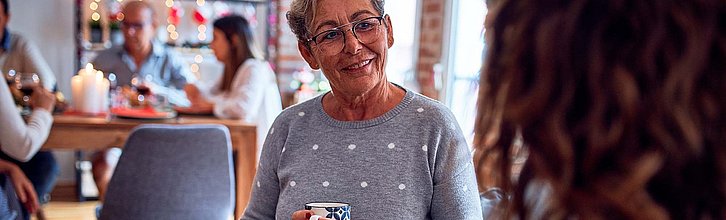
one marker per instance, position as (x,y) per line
(89,68)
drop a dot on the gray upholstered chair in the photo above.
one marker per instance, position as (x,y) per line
(173,172)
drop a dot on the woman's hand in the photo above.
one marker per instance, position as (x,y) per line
(199,104)
(23,187)
(42,98)
(193,93)
(306,215)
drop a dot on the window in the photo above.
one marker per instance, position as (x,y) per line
(401,57)
(463,60)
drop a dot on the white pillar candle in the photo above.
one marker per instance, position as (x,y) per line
(76,87)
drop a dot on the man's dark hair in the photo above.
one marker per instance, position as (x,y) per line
(5,6)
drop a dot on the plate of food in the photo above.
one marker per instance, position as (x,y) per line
(193,111)
(143,113)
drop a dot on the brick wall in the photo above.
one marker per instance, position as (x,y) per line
(430,49)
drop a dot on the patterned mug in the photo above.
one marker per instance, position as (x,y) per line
(331,210)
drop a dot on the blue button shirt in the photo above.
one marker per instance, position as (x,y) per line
(167,69)
(5,43)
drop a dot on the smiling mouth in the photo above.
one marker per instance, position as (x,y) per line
(358,65)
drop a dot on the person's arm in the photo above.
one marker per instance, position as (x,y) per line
(266,186)
(179,76)
(33,62)
(23,187)
(455,193)
(18,140)
(246,93)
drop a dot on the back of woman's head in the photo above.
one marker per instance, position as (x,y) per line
(618,105)
(235,26)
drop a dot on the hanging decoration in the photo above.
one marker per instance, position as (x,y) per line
(95,28)
(200,17)
(175,13)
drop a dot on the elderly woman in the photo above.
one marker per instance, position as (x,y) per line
(383,149)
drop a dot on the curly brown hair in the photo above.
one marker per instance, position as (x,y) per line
(618,104)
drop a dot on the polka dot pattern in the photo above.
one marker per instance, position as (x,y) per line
(258,184)
(425,148)
(401,186)
(364,184)
(301,114)
(315,147)
(352,146)
(326,184)
(293,183)
(272,130)
(391,146)
(420,110)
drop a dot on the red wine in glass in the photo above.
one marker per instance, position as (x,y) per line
(27,91)
(25,82)
(143,90)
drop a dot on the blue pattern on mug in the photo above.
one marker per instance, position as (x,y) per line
(331,210)
(338,213)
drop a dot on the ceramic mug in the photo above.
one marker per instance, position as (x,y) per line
(331,210)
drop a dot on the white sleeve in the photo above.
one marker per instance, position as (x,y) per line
(246,93)
(18,140)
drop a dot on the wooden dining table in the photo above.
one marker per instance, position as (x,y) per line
(77,132)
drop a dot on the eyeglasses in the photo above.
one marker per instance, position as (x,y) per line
(332,41)
(132,25)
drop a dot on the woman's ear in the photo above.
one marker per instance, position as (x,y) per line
(307,55)
(389,30)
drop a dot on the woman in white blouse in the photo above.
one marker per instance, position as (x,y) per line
(247,89)
(22,141)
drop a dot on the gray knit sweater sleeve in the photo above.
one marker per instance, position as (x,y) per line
(410,163)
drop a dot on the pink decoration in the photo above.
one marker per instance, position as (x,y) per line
(174,15)
(199,18)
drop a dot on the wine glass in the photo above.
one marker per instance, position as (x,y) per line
(10,77)
(26,82)
(139,83)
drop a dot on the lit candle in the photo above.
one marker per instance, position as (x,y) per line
(76,86)
(90,91)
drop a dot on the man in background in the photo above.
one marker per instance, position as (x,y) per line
(142,56)
(146,58)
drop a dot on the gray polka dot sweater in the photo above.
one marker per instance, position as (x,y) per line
(410,163)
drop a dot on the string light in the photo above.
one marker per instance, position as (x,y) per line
(202,36)
(195,67)
(200,2)
(174,35)
(202,28)
(95,16)
(198,58)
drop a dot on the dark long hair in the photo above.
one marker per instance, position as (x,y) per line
(619,105)
(238,27)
